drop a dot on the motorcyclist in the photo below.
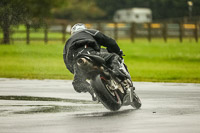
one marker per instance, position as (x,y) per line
(89,41)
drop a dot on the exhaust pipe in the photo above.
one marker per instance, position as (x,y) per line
(87,65)
(82,62)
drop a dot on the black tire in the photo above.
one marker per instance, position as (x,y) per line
(106,98)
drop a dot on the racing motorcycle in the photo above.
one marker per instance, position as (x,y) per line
(111,90)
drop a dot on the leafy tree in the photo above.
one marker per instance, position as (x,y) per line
(79,10)
(13,12)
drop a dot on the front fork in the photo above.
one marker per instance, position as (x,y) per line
(130,91)
(128,98)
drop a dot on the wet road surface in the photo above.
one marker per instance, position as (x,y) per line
(52,106)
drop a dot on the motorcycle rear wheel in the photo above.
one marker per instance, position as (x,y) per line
(110,101)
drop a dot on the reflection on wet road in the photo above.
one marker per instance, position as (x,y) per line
(53,106)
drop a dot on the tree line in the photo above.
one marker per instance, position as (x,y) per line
(105,9)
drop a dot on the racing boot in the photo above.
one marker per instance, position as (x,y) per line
(81,85)
(84,86)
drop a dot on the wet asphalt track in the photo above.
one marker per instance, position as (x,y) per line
(51,106)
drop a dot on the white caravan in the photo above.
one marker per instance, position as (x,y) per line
(136,15)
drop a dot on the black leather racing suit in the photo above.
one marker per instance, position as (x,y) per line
(94,40)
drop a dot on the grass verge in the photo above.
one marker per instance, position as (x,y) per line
(147,61)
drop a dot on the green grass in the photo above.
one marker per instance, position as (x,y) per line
(33,61)
(166,62)
(156,61)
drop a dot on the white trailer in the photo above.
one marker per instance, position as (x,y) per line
(136,15)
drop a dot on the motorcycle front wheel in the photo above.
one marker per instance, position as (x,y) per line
(136,101)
